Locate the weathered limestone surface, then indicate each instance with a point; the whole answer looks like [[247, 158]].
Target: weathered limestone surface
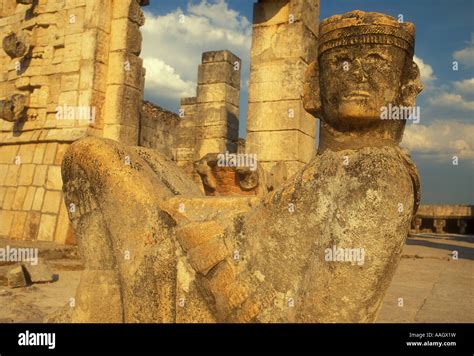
[[164, 253], [283, 44], [67, 69], [14, 46], [39, 272], [158, 129], [223, 180], [14, 108], [125, 253], [210, 121], [212, 117], [16, 277]]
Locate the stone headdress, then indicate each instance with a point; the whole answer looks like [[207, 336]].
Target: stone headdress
[[365, 27]]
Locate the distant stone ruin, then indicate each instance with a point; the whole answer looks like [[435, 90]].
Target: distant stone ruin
[[210, 121], [457, 219]]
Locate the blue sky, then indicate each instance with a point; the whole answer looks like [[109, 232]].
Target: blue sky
[[445, 33]]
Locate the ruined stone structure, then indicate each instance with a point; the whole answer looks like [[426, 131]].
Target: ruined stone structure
[[210, 121], [157, 250], [71, 69], [59, 82], [284, 41], [219, 178], [158, 129], [444, 219]]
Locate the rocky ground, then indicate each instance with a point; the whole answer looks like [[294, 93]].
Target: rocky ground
[[434, 286], [34, 302]]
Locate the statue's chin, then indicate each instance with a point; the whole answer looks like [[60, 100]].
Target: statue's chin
[[356, 115]]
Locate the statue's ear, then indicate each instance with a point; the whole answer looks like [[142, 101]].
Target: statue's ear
[[311, 94], [411, 85]]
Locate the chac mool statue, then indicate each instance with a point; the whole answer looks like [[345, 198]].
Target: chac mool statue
[[322, 247]]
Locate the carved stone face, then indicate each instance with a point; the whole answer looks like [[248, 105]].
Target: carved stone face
[[357, 80]]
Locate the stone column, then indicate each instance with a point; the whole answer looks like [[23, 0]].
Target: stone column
[[186, 134], [217, 103], [462, 224], [439, 225], [284, 42], [124, 94], [417, 224]]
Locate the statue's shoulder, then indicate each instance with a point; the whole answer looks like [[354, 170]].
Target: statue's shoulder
[[388, 170]]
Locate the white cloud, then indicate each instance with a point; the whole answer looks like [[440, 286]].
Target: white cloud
[[172, 48], [221, 15], [465, 87], [162, 78], [457, 96], [426, 71], [440, 141], [453, 101], [466, 56]]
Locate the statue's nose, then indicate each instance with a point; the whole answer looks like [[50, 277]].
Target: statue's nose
[[359, 71]]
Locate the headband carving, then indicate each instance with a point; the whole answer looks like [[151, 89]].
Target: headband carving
[[360, 27]]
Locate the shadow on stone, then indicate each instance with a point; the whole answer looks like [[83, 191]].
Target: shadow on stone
[[466, 253]]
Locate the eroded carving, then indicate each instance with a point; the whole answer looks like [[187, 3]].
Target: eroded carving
[[14, 108], [205, 259], [15, 46], [234, 179]]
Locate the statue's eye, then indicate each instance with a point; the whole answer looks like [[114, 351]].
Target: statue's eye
[[342, 62], [374, 57]]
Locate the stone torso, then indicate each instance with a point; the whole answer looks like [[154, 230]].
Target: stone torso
[[282, 273]]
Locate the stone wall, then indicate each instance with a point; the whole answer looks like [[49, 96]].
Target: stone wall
[[283, 44], [158, 129], [31, 201], [79, 74]]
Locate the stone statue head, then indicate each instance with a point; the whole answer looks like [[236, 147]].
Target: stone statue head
[[365, 63]]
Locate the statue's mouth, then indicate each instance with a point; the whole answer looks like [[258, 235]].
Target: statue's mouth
[[357, 94]]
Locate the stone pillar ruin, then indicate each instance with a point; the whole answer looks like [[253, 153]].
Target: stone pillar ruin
[[439, 225], [417, 224], [210, 121], [218, 102], [125, 80], [283, 44], [186, 134], [462, 224]]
